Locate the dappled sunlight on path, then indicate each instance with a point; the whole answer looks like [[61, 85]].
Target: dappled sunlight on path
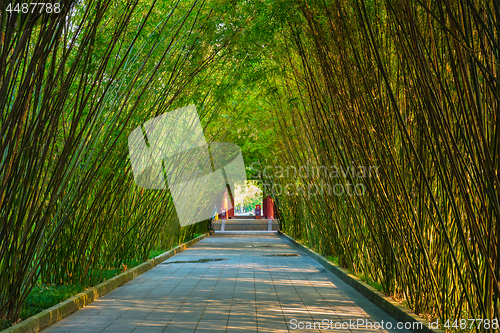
[[228, 283]]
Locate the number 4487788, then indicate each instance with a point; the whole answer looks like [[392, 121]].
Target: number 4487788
[[33, 7], [470, 323]]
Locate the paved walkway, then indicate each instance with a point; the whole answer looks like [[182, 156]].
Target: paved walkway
[[253, 289]]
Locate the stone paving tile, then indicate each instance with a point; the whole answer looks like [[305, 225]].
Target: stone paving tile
[[250, 291]]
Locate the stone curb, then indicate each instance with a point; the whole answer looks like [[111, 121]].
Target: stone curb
[[52, 315], [393, 308]]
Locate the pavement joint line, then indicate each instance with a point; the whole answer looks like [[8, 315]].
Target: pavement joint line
[[393, 308], [61, 310], [324, 301], [226, 265], [161, 302], [232, 298], [193, 291], [211, 295], [276, 292]]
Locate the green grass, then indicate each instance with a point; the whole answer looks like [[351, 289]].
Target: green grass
[[333, 259], [155, 253], [42, 297], [368, 280]]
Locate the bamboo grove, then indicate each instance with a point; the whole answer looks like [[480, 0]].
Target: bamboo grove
[[411, 89], [72, 87], [397, 99]]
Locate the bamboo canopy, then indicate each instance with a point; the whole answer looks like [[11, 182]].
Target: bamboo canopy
[[374, 125]]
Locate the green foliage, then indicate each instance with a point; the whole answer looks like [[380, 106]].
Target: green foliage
[[333, 259], [368, 280], [74, 87], [44, 296], [407, 87], [251, 203]]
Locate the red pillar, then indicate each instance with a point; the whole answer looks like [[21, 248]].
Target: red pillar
[[264, 207], [227, 207], [230, 211], [268, 207]]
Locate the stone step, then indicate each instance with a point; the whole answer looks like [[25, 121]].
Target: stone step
[[245, 221], [245, 225]]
